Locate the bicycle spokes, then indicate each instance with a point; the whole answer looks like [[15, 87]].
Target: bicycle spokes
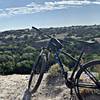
[[88, 79]]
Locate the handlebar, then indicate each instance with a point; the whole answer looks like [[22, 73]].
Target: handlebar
[[38, 30], [54, 44]]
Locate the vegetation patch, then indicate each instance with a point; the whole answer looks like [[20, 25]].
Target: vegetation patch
[[55, 76]]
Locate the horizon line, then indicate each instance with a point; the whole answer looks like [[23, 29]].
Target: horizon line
[[14, 29]]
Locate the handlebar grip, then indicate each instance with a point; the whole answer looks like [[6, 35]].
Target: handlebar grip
[[36, 29]]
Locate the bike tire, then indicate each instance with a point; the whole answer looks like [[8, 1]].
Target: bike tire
[[86, 79], [36, 77]]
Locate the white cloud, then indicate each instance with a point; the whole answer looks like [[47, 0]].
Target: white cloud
[[19, 10], [2, 13], [46, 6], [96, 2], [69, 2], [32, 4]]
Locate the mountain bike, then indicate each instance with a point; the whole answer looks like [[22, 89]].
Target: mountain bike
[[83, 77]]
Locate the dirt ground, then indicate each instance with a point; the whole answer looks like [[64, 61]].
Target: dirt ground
[[12, 87]]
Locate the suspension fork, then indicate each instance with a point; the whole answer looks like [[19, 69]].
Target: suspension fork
[[33, 68]]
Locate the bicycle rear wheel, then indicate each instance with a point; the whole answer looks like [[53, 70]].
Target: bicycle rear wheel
[[88, 80], [37, 74]]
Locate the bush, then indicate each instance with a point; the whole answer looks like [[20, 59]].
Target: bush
[[6, 67], [56, 70], [7, 64], [23, 67], [54, 75]]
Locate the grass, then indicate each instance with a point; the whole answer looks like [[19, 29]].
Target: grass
[[54, 75], [55, 69]]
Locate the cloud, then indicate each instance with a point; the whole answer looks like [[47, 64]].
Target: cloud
[[69, 2], [19, 10], [96, 2], [46, 6], [2, 13]]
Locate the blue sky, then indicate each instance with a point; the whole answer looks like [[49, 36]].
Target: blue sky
[[17, 14]]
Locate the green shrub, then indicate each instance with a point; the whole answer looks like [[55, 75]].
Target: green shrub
[[23, 67], [54, 76], [55, 70], [6, 67]]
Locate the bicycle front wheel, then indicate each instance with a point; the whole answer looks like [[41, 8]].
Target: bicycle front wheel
[[88, 80], [37, 74]]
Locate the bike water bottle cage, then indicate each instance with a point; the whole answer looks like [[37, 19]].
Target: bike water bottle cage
[[54, 45]]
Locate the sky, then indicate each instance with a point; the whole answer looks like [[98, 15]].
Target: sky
[[20, 14]]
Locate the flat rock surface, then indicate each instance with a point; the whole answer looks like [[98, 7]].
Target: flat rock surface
[[12, 87]]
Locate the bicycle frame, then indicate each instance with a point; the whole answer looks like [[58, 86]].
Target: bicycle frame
[[61, 64], [78, 64]]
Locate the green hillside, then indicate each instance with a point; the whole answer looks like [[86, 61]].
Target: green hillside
[[19, 48]]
